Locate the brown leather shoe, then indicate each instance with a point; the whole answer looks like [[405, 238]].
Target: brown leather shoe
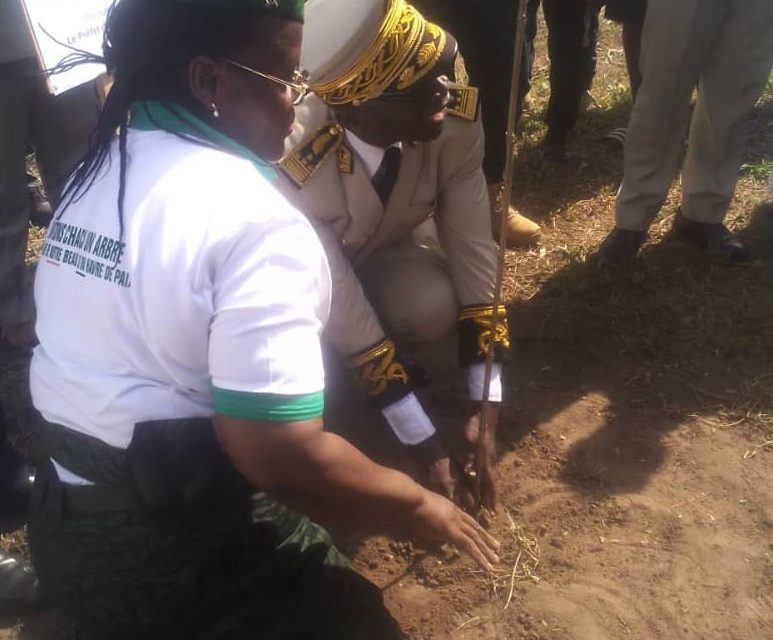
[[522, 233]]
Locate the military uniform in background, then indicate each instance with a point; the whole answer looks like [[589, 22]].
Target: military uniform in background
[[725, 48]]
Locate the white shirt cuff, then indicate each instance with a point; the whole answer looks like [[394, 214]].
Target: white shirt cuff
[[408, 420], [475, 375]]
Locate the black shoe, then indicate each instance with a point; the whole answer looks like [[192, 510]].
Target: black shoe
[[712, 237], [19, 586], [621, 245], [40, 208], [554, 152]]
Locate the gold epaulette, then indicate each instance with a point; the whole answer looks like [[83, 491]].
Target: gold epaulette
[[463, 102], [304, 161]]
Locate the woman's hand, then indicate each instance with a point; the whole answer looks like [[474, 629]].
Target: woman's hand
[[439, 519]]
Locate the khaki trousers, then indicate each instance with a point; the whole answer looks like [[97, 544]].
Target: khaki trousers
[[410, 288], [58, 129], [725, 47]]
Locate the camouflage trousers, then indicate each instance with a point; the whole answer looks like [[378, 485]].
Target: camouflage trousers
[[254, 570]]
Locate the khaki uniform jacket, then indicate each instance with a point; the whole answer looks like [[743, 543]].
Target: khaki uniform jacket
[[326, 181]]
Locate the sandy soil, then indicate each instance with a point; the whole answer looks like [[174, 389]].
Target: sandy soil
[[648, 527]]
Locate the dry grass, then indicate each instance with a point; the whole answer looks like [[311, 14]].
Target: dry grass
[[527, 558], [676, 311]]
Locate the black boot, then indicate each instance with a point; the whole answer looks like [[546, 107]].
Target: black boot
[[554, 150], [620, 246], [712, 237], [19, 586], [40, 209]]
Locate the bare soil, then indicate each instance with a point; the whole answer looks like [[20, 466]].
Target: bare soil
[[637, 436]]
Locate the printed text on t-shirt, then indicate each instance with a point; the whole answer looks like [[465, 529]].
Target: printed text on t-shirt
[[88, 253]]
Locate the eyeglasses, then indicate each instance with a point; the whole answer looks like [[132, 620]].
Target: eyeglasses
[[298, 86]]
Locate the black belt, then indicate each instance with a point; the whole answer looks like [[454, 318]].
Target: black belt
[[169, 466]]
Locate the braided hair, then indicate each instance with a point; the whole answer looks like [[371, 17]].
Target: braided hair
[[147, 47]]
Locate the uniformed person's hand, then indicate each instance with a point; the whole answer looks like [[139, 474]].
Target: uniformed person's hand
[[487, 473], [434, 468], [439, 519]]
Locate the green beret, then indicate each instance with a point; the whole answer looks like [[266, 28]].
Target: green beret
[[290, 9]]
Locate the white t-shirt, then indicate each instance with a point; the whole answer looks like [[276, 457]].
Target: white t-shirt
[[214, 301]]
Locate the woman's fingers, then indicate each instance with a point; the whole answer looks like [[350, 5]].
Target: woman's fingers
[[490, 540], [468, 546], [484, 542], [484, 546]]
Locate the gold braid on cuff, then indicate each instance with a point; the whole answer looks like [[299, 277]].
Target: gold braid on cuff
[[376, 368], [406, 49], [490, 329]]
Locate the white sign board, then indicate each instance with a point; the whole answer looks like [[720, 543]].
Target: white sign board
[[59, 24]]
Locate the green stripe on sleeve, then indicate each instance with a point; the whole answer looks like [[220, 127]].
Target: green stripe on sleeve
[[268, 407]]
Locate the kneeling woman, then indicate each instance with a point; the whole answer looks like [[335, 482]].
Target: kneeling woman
[[180, 303]]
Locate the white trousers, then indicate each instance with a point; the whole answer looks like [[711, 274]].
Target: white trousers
[[725, 48]]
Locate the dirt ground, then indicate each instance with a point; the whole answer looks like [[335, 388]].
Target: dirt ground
[[635, 474]]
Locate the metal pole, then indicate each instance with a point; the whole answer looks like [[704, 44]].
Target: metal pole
[[515, 87]]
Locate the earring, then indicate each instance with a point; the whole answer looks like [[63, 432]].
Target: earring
[[215, 112]]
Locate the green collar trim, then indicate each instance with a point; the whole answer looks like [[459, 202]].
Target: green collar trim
[[151, 115]]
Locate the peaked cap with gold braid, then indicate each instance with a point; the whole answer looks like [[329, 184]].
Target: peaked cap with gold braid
[[356, 51]]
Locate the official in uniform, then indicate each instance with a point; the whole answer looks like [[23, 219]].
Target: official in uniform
[[385, 160], [180, 301], [725, 49]]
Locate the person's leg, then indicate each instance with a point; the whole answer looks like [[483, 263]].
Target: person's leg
[[676, 39], [19, 587], [632, 47], [495, 70], [207, 574], [589, 58], [410, 288], [572, 50], [10, 462], [485, 30], [17, 87], [734, 75], [60, 127], [630, 14]]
